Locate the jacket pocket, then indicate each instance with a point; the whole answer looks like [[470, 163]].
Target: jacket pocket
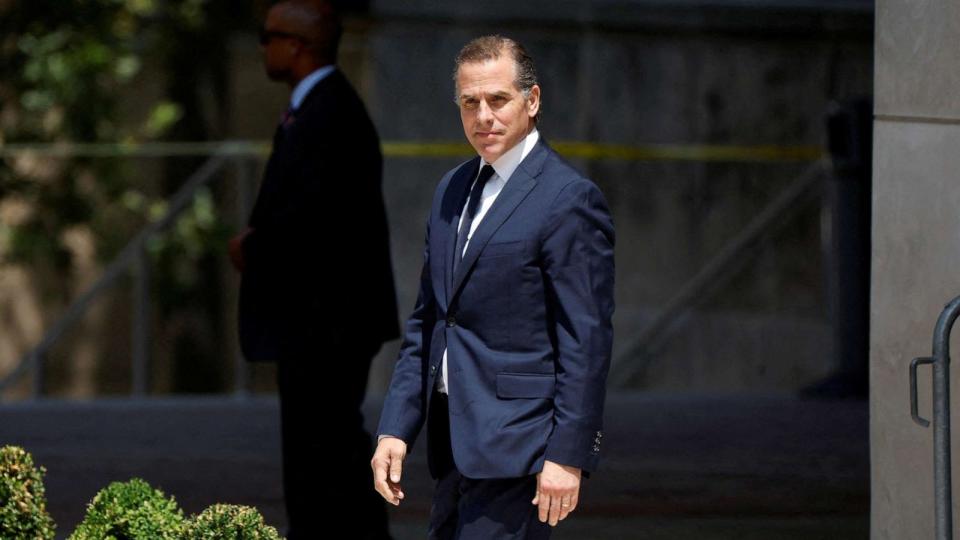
[[499, 249], [526, 385]]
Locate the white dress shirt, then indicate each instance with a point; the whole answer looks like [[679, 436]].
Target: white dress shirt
[[304, 87], [503, 169]]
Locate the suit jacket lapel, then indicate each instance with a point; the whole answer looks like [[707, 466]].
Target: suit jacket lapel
[[454, 201], [516, 189], [285, 137]]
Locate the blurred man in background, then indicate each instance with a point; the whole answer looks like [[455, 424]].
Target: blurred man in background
[[317, 293]]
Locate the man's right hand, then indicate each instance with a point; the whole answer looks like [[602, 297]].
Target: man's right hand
[[387, 466]]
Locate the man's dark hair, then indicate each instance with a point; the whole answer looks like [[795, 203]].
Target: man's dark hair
[[491, 47]]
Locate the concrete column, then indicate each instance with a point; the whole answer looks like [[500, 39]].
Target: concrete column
[[916, 247]]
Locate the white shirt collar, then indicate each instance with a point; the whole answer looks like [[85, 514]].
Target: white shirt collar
[[506, 164], [306, 85]]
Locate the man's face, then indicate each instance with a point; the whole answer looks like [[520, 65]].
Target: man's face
[[495, 113], [280, 45]]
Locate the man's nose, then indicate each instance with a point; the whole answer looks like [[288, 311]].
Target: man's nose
[[484, 113]]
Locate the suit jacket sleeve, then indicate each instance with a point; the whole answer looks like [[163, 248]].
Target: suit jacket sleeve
[[405, 406], [578, 264]]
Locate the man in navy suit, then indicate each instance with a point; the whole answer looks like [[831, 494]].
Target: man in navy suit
[[506, 354], [313, 299]]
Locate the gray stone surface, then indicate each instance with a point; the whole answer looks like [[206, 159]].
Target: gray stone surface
[[917, 59], [630, 72], [916, 271], [729, 15], [638, 88], [675, 467]]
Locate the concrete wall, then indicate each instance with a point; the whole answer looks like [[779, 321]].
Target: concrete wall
[[637, 73], [634, 72], [916, 239]]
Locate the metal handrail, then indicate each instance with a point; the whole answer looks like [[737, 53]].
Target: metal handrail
[[238, 148], [133, 255], [941, 417], [638, 355]]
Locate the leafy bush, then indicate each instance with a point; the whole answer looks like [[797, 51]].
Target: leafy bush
[[131, 511], [23, 505], [229, 522]]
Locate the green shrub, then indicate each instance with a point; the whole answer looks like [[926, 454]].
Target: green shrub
[[229, 522], [131, 511], [23, 504]]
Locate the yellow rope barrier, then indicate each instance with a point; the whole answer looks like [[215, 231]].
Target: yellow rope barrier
[[397, 149]]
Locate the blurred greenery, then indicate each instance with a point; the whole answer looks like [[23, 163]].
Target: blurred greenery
[[114, 71], [65, 69]]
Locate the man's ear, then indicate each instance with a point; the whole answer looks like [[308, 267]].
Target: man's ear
[[533, 101]]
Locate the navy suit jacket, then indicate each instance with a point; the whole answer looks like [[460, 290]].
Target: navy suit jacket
[[318, 274], [525, 319]]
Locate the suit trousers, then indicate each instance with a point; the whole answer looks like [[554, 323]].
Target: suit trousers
[[477, 509], [327, 480]]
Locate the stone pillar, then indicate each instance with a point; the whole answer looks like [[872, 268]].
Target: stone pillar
[[916, 247]]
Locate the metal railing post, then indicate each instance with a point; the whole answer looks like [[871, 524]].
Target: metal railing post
[[245, 196], [39, 381], [141, 322], [941, 417], [131, 256], [941, 420]]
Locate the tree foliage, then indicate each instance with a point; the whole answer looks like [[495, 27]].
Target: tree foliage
[[111, 71]]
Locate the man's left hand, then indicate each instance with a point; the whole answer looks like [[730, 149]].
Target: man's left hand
[[558, 490]]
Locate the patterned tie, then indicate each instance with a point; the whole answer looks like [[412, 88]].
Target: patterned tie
[[485, 173], [286, 120]]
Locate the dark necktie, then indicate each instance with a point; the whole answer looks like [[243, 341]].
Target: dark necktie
[[471, 211], [286, 120]]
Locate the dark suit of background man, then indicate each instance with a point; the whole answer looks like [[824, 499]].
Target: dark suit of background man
[[506, 354], [317, 290]]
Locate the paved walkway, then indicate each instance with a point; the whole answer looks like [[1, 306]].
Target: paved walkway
[[674, 467]]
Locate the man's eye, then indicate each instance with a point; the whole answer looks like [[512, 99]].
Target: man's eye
[[469, 103]]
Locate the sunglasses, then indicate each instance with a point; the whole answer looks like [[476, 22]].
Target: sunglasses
[[267, 35]]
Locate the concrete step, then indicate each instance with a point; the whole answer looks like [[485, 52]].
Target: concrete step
[[674, 466]]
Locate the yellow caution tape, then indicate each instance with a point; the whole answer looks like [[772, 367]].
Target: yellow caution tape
[[396, 149]]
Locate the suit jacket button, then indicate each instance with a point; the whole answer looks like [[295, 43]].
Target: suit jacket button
[[451, 321], [433, 369]]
